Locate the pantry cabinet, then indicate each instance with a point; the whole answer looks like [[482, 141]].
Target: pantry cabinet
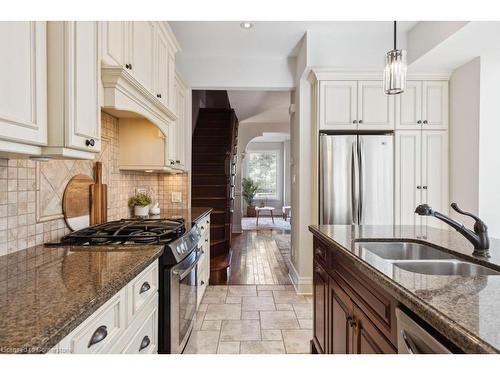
[[23, 84], [355, 105], [73, 94], [421, 175], [423, 105]]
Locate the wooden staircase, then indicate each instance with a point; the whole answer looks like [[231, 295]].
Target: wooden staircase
[[213, 170]]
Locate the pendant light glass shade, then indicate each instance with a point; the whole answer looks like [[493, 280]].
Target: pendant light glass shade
[[395, 69], [395, 72]]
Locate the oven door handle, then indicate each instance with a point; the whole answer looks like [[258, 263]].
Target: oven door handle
[[187, 271]]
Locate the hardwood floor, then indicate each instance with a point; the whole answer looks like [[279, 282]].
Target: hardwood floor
[[257, 259]]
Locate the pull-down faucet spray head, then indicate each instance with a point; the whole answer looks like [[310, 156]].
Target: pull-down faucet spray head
[[424, 210]]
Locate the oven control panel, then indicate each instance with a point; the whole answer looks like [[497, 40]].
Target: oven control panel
[[186, 244]]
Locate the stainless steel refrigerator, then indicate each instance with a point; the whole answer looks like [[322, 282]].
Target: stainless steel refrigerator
[[356, 179]]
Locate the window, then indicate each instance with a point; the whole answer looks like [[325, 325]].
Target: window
[[262, 167]]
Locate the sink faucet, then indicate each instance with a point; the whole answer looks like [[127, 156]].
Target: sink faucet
[[478, 237]]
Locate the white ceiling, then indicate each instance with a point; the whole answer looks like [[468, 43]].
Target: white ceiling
[[271, 137], [267, 38], [260, 106]]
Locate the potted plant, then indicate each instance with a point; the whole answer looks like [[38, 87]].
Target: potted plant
[[140, 202], [250, 188]]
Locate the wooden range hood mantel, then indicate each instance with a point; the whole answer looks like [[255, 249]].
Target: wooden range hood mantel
[[125, 97]]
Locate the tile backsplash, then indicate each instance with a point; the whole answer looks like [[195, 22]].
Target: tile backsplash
[[31, 192]]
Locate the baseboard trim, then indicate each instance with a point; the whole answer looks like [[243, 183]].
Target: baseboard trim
[[302, 285]]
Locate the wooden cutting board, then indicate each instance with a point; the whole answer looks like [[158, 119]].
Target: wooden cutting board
[[98, 198]]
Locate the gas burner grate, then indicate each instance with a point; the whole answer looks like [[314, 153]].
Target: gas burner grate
[[127, 231]]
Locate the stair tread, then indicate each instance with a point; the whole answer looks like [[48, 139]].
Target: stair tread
[[211, 197], [218, 241], [220, 262]]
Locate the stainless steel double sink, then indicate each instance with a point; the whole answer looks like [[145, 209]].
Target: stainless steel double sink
[[424, 259]]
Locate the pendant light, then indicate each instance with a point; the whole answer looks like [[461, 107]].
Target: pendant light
[[395, 69]]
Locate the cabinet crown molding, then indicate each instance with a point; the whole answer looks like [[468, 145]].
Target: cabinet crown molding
[[367, 74], [123, 93]]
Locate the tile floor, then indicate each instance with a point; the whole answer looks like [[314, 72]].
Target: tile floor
[[252, 319]]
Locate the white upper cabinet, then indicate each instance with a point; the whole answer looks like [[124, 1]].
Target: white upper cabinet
[[142, 52], [73, 74], [114, 40], [164, 70], [409, 106], [338, 105], [181, 124], [351, 105], [435, 105], [375, 108], [23, 82], [423, 105]]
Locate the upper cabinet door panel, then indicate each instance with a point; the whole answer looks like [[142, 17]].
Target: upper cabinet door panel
[[82, 85], [161, 69], [375, 108], [114, 34], [143, 37], [338, 106], [23, 82], [409, 107], [435, 105]]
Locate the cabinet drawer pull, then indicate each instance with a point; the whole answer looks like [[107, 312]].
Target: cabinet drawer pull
[[202, 282], [99, 335], [89, 142], [425, 122], [424, 187], [419, 187], [145, 343], [158, 96], [144, 287], [206, 239], [354, 122], [360, 121]]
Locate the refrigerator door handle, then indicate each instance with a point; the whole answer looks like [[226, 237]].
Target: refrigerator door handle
[[354, 183], [361, 190]]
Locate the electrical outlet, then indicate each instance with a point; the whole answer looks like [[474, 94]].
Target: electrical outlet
[[176, 197]]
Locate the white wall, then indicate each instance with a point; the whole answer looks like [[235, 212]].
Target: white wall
[[489, 136], [464, 138], [287, 188]]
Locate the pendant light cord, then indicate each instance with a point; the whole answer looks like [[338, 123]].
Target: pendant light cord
[[395, 34]]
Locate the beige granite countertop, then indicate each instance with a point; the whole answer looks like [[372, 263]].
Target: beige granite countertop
[[46, 292], [462, 308]]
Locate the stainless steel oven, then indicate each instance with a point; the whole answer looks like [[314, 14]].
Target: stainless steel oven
[[183, 283]]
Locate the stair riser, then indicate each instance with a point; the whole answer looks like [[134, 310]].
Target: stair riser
[[217, 233], [200, 168], [213, 141], [211, 148], [209, 158], [217, 218], [218, 249], [204, 202], [209, 191], [209, 180]]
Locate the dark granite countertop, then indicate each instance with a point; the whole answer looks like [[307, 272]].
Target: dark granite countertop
[[46, 292], [462, 308]]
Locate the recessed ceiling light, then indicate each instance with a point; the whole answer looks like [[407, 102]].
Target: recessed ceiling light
[[246, 25]]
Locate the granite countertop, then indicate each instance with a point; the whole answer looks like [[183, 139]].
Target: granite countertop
[[46, 292], [462, 308]]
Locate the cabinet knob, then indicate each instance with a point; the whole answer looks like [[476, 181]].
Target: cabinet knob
[[145, 343], [424, 187], [419, 121], [178, 161], [128, 66], [419, 187], [425, 122], [360, 121], [99, 335], [172, 162], [90, 142], [158, 95], [206, 239], [202, 282], [354, 121]]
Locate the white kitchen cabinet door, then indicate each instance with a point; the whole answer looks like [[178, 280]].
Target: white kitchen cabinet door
[[435, 173], [409, 107], [435, 105], [408, 187], [375, 108], [74, 78], [180, 124], [162, 77], [142, 52], [171, 149], [114, 42], [338, 105], [23, 82]]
